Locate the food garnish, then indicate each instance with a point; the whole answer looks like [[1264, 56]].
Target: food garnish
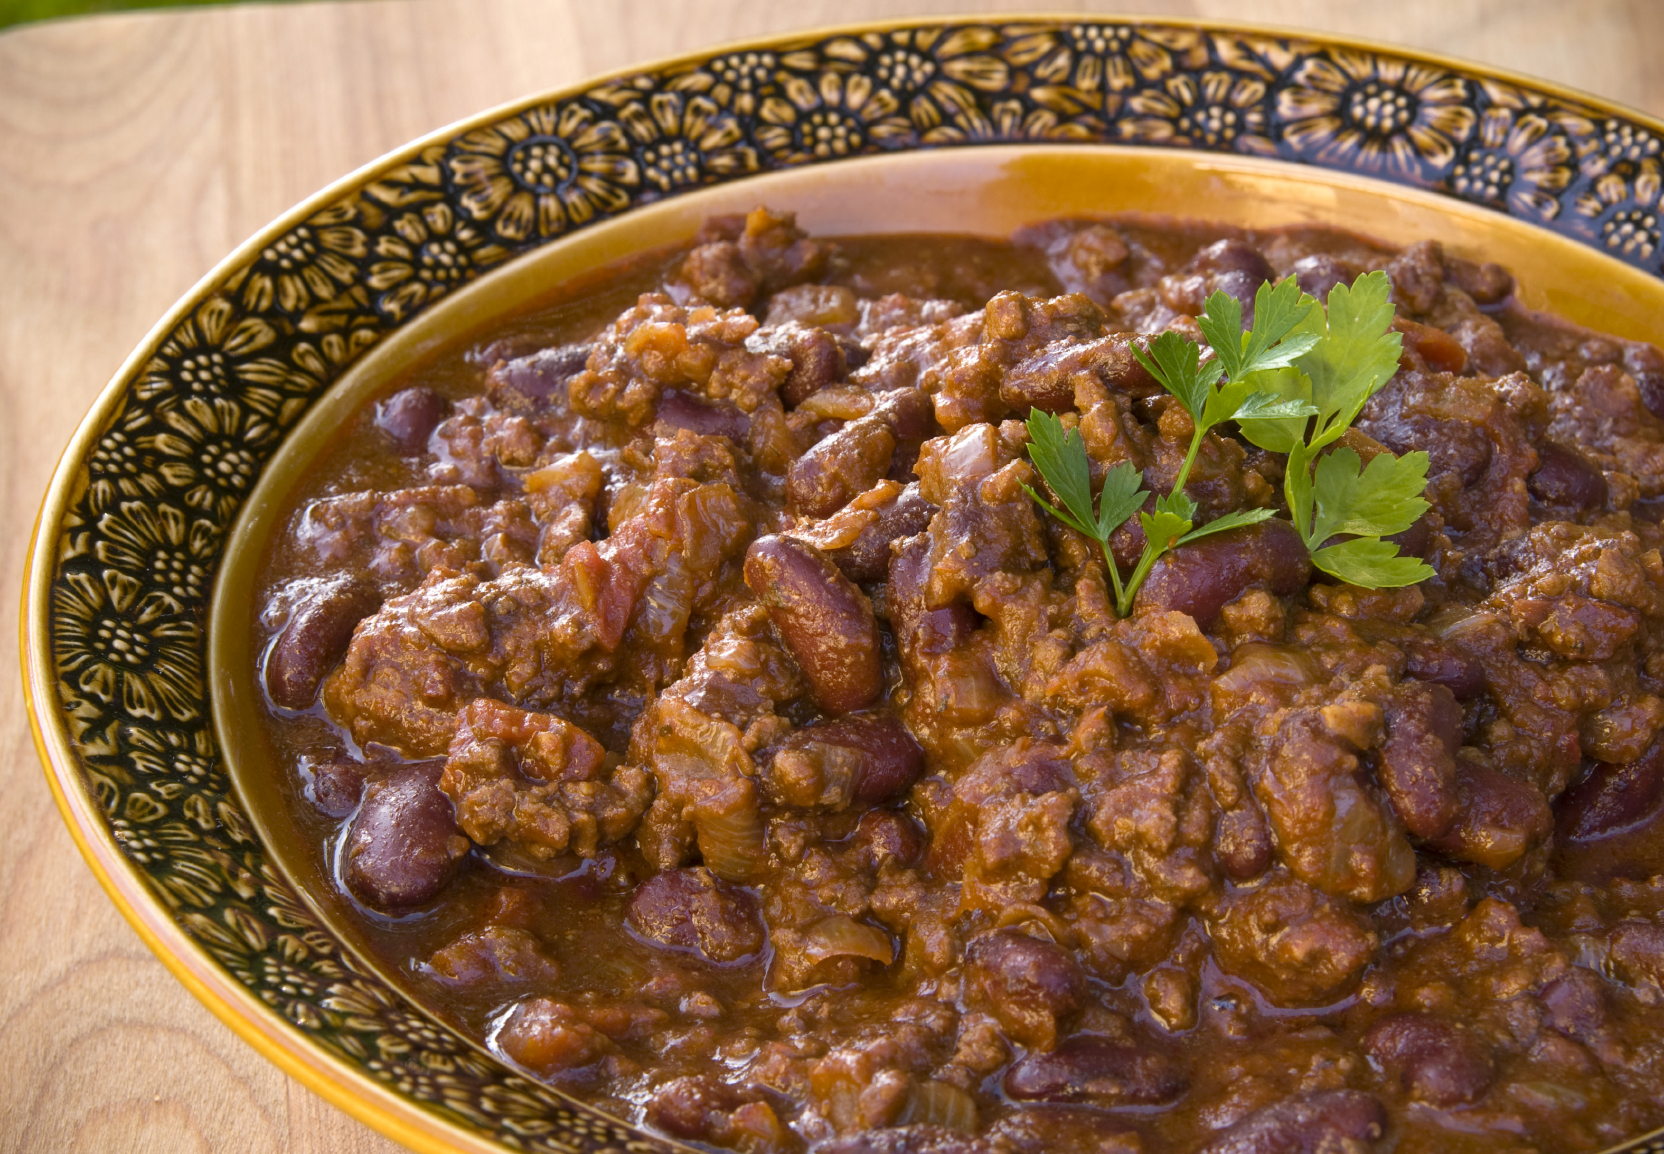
[[1293, 382]]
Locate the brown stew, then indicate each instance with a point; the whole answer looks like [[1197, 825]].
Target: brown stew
[[693, 703]]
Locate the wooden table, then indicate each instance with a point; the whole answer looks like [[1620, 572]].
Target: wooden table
[[135, 151]]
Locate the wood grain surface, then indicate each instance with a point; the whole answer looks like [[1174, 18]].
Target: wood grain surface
[[135, 151]]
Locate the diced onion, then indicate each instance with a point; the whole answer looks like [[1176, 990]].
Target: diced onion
[[939, 1104], [731, 840], [840, 936]]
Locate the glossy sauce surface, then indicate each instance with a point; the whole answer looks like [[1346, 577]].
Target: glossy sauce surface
[[691, 700]]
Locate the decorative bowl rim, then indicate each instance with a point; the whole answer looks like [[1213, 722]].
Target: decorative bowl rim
[[345, 1084]]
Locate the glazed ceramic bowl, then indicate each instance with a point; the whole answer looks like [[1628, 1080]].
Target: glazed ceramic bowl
[[136, 643]]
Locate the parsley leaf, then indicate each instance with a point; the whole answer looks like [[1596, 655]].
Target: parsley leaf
[[1174, 361], [1357, 353], [1372, 502], [1272, 342], [1121, 496], [1378, 500], [1371, 563], [1293, 382], [1234, 520], [1060, 455], [1279, 434], [1163, 529]]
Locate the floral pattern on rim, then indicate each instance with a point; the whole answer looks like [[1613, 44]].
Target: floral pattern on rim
[[137, 539], [680, 139], [1621, 204], [545, 170], [309, 267], [1215, 110], [1520, 156], [1348, 108]]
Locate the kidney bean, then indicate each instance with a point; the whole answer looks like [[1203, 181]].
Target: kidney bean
[[1646, 364], [823, 619], [1413, 541], [1418, 759], [1609, 799], [1637, 953], [1566, 480], [1318, 273], [1064, 1130], [905, 1140], [888, 835], [1575, 1003], [695, 1106], [336, 787], [682, 410], [867, 558], [908, 413], [1232, 255], [404, 845], [1431, 660], [1025, 982], [694, 911], [409, 417], [1203, 577], [536, 382], [817, 358], [1242, 842], [1314, 1122], [1091, 1068], [1435, 1061], [1499, 819], [315, 637], [891, 760], [1487, 284], [850, 461], [1238, 270]]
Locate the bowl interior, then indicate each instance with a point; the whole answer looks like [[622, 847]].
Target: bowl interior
[[988, 191]]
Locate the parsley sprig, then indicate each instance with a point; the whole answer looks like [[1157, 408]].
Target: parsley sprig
[[1293, 382]]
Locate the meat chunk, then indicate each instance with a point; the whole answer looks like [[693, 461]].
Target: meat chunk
[[1331, 830], [697, 739], [1296, 944], [1318, 1122], [538, 781], [496, 954], [703, 1109], [551, 1039], [543, 636], [1025, 982], [762, 252], [1437, 1062]]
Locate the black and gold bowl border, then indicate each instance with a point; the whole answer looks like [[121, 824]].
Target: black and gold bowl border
[[134, 525]]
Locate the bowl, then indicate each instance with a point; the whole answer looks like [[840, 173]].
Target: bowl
[[136, 634]]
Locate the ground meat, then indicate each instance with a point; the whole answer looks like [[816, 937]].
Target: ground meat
[[695, 704], [539, 781]]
